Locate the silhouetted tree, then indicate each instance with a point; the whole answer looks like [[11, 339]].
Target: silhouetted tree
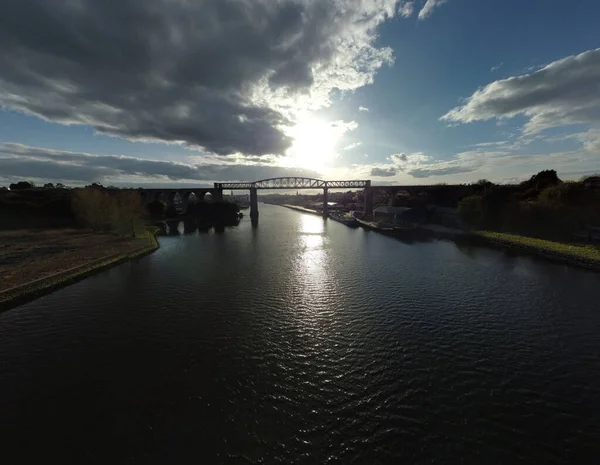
[[21, 185], [49, 185], [95, 185]]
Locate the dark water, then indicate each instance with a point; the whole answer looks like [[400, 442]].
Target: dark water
[[307, 342]]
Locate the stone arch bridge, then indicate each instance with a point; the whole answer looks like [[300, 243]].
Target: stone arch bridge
[[168, 195]]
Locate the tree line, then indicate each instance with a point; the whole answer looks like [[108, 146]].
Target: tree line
[[544, 206]]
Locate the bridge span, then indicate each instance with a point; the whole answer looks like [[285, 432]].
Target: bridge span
[[296, 183], [289, 183]]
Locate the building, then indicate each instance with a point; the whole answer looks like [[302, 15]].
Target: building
[[398, 215]]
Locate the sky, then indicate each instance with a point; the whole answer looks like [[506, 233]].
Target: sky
[[171, 92]]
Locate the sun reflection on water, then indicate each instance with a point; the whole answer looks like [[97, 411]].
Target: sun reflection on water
[[314, 275]]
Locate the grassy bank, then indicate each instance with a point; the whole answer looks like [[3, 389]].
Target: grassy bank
[[577, 254], [34, 267]]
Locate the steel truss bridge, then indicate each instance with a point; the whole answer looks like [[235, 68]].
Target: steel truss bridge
[[293, 183], [289, 182]]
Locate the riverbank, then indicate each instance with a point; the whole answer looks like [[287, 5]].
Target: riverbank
[[37, 262], [301, 209], [581, 255]]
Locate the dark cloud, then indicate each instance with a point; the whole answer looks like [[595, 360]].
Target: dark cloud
[[19, 161], [444, 171], [214, 73], [383, 172]]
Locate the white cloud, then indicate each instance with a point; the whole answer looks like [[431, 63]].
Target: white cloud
[[363, 109], [352, 146], [564, 92], [406, 9], [496, 67], [429, 6]]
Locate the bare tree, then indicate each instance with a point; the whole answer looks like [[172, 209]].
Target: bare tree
[[93, 207], [128, 212]]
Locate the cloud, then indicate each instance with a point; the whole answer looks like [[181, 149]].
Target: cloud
[[496, 67], [363, 109], [22, 161], [429, 6], [383, 172], [444, 171], [561, 93], [406, 9], [399, 158], [224, 75], [352, 146]]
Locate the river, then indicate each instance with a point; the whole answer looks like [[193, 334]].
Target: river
[[304, 341]]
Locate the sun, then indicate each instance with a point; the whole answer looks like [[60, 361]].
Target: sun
[[314, 145]]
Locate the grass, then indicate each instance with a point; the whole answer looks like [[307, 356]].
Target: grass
[[30, 269], [581, 251], [148, 233]]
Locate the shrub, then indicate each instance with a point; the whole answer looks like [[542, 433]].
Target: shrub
[[471, 210]]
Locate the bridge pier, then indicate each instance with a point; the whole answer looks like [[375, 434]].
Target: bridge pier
[[217, 195], [253, 204], [368, 200], [325, 200]]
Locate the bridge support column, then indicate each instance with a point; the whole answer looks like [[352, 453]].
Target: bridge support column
[[325, 200], [253, 204], [368, 200], [171, 199], [217, 195], [392, 199]]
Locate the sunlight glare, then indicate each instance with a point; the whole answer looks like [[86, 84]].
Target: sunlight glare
[[315, 142]]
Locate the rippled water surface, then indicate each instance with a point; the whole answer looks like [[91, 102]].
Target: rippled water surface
[[303, 341]]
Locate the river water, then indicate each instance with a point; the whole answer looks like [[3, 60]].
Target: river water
[[304, 341]]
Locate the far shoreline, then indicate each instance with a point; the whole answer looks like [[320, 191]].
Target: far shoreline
[[575, 255]]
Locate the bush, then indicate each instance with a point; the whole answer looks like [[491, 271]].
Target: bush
[[471, 210]]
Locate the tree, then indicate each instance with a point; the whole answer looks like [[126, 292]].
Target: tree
[[93, 208], [128, 212], [542, 180], [21, 185], [49, 185], [120, 212], [95, 185]]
